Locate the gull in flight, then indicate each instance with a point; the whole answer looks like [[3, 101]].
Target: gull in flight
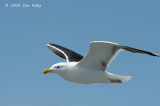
[[93, 67]]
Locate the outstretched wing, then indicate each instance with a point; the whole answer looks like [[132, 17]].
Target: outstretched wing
[[101, 54], [65, 53]]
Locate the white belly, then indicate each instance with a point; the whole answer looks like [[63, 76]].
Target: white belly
[[87, 77]]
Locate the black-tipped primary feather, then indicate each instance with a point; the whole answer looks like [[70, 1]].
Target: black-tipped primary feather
[[134, 50]]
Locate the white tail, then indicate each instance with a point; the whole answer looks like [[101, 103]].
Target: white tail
[[125, 78], [118, 78]]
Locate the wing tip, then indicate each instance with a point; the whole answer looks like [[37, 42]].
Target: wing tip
[[153, 54], [48, 44], [157, 55]]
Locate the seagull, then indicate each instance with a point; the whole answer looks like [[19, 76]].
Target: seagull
[[93, 67]]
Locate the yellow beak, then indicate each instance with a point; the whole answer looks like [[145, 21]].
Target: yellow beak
[[47, 71]]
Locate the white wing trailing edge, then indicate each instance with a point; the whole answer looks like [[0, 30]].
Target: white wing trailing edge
[[65, 53]]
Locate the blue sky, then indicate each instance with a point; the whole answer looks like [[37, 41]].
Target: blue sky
[[73, 24]]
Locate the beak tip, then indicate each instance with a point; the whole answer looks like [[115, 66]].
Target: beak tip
[[44, 73], [47, 71]]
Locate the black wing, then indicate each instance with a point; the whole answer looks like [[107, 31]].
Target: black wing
[[65, 53]]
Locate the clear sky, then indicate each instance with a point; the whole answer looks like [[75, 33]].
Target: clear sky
[[24, 33]]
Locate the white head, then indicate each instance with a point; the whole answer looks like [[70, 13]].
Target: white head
[[59, 68]]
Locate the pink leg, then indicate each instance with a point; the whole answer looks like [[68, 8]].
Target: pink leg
[[116, 81]]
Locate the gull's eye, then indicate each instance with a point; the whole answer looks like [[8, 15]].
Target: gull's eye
[[57, 66]]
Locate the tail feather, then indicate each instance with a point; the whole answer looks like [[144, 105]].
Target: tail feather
[[119, 78], [125, 78]]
